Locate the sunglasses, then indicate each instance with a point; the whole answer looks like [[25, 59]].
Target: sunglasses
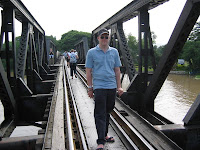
[[102, 37]]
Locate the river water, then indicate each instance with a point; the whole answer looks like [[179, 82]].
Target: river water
[[176, 96], [173, 101]]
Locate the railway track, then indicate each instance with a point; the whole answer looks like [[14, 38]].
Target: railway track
[[73, 135], [75, 139], [134, 131], [132, 138]]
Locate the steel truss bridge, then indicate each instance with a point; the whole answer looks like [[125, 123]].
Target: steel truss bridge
[[33, 92]]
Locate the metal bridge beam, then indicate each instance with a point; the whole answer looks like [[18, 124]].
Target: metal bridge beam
[[145, 43], [21, 76], [118, 33], [192, 117], [22, 143], [22, 13], [7, 80], [128, 12], [82, 49], [6, 95], [178, 38], [115, 24]]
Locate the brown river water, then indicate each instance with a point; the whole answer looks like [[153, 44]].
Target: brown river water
[[173, 101], [175, 97]]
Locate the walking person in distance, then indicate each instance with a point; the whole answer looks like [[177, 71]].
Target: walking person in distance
[[73, 60], [103, 78], [51, 57]]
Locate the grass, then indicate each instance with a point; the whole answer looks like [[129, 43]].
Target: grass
[[197, 77], [150, 69]]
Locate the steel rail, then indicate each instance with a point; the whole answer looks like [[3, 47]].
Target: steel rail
[[69, 126], [84, 144], [134, 135], [82, 76], [129, 144], [140, 131]]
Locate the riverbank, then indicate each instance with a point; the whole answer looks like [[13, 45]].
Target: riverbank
[[197, 77], [179, 72]]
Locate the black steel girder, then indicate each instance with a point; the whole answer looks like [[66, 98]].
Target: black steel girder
[[127, 61], [128, 12], [115, 23], [172, 50], [22, 13], [22, 71], [82, 49]]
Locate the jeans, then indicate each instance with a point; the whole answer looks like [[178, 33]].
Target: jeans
[[104, 104], [72, 68]]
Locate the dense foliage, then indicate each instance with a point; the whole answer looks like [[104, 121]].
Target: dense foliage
[[53, 39], [69, 39], [191, 50], [133, 47], [195, 34]]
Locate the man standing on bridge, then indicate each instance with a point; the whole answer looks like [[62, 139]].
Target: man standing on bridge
[[103, 78]]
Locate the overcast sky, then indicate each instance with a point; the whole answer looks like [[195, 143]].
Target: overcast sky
[[59, 17]]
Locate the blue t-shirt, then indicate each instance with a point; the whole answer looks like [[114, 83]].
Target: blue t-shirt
[[73, 57], [103, 65]]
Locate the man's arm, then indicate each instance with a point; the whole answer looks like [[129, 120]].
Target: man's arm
[[89, 81], [119, 87]]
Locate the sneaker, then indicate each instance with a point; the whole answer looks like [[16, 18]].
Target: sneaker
[[75, 76]]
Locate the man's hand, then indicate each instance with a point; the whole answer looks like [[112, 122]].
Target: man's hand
[[90, 92], [120, 91]]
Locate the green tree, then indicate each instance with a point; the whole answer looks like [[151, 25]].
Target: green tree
[[17, 43], [69, 39], [191, 49], [195, 34], [158, 52], [53, 39], [191, 53], [153, 36], [133, 47]]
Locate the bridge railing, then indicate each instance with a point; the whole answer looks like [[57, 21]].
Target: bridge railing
[[23, 70]]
